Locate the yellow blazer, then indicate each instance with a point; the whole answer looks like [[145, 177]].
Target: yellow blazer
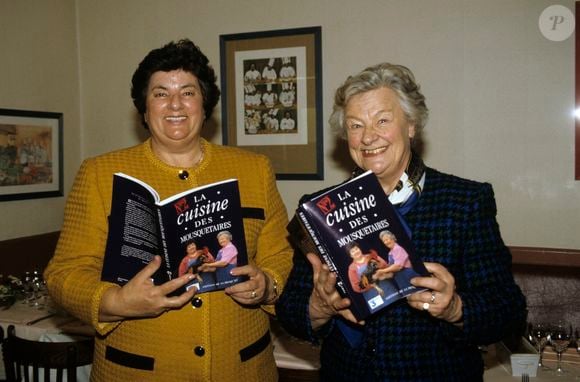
[[217, 341]]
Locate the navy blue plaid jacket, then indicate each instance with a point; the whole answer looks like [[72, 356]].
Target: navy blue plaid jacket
[[454, 224]]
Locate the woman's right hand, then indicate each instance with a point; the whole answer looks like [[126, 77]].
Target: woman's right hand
[[325, 301], [140, 297]]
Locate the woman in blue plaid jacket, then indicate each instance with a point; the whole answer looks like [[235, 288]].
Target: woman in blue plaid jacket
[[471, 298]]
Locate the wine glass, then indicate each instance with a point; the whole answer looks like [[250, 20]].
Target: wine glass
[[577, 335], [27, 288], [560, 338], [577, 340], [39, 290], [539, 335]]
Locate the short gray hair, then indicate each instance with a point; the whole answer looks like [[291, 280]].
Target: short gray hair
[[225, 233], [388, 234], [398, 78]]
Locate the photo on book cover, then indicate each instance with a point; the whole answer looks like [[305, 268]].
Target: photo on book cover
[[380, 280], [210, 272], [362, 238]]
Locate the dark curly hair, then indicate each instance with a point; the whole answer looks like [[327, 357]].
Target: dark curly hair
[[351, 245], [184, 55]]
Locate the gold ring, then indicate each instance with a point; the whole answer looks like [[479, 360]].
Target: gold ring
[[426, 306], [432, 297], [253, 295]]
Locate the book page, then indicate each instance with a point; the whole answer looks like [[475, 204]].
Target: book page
[[196, 189], [133, 233], [149, 189]]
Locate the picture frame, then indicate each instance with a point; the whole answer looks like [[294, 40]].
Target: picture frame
[[271, 84], [31, 154], [577, 101]]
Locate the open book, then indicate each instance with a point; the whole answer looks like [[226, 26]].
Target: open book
[[361, 237], [199, 231]]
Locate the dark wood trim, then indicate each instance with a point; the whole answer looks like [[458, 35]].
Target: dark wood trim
[[577, 98], [295, 375], [546, 256], [35, 251], [27, 253]]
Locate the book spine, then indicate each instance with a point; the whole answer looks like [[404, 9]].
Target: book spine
[[323, 253], [164, 243]]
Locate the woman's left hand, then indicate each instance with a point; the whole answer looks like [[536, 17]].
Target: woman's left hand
[[440, 301], [254, 291]]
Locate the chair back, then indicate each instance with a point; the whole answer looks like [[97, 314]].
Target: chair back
[[24, 359]]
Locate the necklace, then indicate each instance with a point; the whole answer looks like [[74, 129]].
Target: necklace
[[184, 174]]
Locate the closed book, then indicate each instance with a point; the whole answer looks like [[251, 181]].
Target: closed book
[[362, 238]]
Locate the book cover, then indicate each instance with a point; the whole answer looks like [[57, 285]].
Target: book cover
[[199, 231], [361, 237]]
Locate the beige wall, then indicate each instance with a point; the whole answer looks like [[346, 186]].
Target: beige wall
[[39, 71], [500, 94]]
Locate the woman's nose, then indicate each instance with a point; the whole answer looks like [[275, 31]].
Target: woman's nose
[[369, 135], [175, 102]]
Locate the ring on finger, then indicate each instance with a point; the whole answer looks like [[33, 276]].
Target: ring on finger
[[253, 294], [432, 297], [426, 306]]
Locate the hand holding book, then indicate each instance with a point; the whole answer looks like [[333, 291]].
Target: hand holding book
[[440, 298], [325, 301], [140, 297], [259, 289]]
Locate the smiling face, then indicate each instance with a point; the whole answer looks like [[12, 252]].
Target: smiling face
[[223, 240], [378, 134], [175, 113], [355, 253], [191, 249], [388, 242]]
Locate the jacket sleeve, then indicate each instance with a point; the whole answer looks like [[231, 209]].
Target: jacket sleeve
[[74, 273], [493, 304], [292, 309], [274, 254], [354, 279]]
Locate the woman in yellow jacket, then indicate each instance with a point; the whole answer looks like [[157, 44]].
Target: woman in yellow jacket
[[144, 333]]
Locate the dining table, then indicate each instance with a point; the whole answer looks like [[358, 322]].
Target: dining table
[[295, 354], [52, 324], [292, 353], [46, 323]]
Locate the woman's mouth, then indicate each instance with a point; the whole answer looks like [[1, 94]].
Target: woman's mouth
[[373, 152], [175, 118]]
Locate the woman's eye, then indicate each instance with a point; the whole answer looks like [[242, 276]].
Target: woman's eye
[[159, 94], [188, 94], [354, 126]]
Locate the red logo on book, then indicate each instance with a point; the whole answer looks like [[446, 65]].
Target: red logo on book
[[181, 206], [326, 205]]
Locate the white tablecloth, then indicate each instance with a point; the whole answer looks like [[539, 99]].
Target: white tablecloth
[[498, 371], [291, 353], [43, 325]]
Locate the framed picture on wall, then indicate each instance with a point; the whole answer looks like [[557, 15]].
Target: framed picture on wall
[[577, 113], [30, 154], [271, 85]]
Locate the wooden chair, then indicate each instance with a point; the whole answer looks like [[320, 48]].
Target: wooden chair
[[23, 357]]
